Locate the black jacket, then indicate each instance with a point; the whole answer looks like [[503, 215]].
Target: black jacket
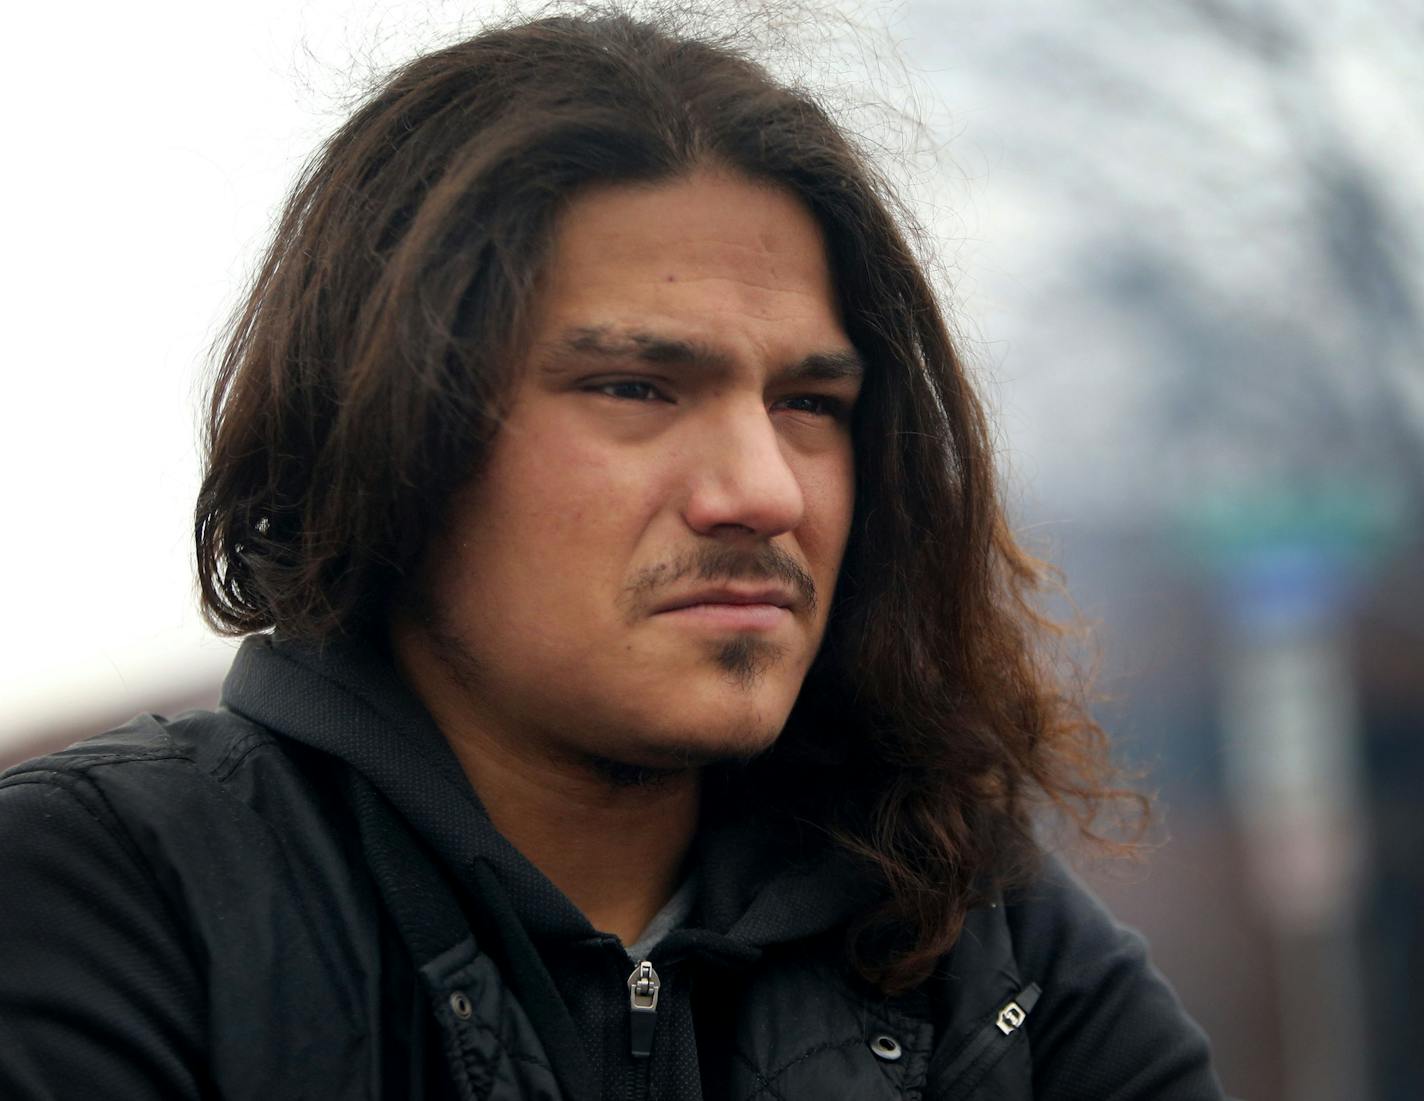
[[298, 895]]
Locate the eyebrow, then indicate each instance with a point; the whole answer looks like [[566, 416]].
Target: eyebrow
[[606, 342]]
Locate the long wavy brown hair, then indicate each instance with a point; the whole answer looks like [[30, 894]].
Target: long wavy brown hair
[[366, 374]]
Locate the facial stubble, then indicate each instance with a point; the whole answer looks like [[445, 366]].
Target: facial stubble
[[742, 660], [746, 660]]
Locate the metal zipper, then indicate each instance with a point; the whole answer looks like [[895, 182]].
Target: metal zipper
[[992, 1040], [1013, 1014], [643, 987]]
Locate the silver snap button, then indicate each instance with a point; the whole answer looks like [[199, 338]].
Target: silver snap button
[[886, 1047], [461, 1005]]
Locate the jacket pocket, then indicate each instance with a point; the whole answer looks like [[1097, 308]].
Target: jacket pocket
[[962, 1067]]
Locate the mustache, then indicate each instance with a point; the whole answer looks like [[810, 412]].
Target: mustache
[[766, 564]]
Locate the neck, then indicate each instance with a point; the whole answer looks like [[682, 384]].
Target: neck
[[616, 850], [612, 839]]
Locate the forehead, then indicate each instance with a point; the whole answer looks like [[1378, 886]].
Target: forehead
[[712, 259]]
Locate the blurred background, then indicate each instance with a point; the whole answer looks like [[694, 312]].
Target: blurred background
[[1184, 244]]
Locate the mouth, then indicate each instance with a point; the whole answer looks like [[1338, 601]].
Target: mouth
[[726, 608], [737, 617], [773, 596]]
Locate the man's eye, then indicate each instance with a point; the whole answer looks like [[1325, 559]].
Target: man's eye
[[628, 390], [819, 404]]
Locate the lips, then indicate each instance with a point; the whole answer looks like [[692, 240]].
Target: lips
[[731, 596]]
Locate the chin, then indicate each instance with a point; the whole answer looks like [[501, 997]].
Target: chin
[[729, 710], [746, 663], [668, 753]]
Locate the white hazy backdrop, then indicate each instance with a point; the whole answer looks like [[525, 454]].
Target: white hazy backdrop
[[148, 149]]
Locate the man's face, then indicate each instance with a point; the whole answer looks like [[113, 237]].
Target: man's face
[[643, 571]]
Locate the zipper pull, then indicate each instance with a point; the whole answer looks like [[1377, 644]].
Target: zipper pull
[[643, 986], [1014, 1014]]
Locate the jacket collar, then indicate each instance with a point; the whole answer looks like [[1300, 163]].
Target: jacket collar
[[764, 880]]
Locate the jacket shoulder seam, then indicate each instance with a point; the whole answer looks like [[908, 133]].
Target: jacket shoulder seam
[[79, 766], [240, 748], [238, 752]]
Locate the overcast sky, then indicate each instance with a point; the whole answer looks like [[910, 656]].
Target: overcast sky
[[148, 147]]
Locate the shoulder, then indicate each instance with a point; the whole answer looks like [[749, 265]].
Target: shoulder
[[205, 804], [234, 830], [155, 775], [101, 848], [129, 785], [1106, 1023], [197, 804], [165, 876], [149, 752], [1056, 923], [200, 742]]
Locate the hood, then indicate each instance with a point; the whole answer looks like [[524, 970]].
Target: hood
[[763, 880]]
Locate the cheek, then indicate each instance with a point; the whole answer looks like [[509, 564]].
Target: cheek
[[570, 507], [829, 486]]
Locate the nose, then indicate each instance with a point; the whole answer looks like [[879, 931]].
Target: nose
[[740, 479]]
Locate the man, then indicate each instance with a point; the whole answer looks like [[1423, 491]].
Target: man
[[649, 707]]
